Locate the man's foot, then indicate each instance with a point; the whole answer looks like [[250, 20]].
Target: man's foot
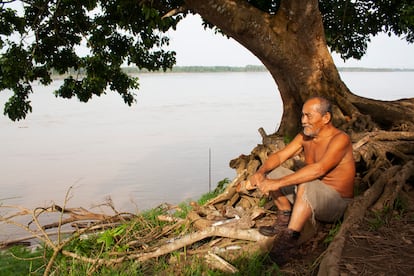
[[282, 221], [283, 245]]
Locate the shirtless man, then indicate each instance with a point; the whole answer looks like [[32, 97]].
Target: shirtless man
[[321, 189]]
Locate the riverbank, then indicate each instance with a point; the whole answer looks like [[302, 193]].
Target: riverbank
[[380, 244]]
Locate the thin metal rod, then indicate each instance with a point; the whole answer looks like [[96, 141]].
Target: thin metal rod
[[209, 170]]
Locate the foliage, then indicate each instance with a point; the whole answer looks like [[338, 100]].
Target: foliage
[[110, 237], [98, 37], [384, 216], [332, 232], [349, 25], [257, 265], [378, 219], [221, 186], [182, 211]]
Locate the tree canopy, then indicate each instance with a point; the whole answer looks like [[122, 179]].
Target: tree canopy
[[38, 37]]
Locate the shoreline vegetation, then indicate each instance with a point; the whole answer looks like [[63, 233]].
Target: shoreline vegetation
[[163, 240], [229, 69]]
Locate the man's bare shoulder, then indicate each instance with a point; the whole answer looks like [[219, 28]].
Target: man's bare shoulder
[[341, 137], [301, 138]]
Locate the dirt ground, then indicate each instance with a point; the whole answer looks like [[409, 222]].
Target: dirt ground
[[383, 244]]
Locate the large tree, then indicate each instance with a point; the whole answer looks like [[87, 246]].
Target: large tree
[[292, 38]]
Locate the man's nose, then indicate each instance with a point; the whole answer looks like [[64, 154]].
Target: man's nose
[[303, 119]]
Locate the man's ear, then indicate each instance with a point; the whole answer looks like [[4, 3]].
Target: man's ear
[[327, 117]]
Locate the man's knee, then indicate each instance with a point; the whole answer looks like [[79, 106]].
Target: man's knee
[[301, 188], [275, 194]]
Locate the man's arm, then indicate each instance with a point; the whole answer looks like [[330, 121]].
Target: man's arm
[[277, 158], [335, 152]]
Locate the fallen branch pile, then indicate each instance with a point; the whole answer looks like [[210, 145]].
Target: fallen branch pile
[[144, 245]]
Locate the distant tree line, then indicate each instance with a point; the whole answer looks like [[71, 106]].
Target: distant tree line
[[223, 69], [202, 69]]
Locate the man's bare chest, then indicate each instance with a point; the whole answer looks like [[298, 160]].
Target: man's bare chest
[[314, 150]]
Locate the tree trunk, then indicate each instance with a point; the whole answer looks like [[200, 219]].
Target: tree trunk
[[292, 46]]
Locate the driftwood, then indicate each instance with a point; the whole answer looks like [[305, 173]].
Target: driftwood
[[221, 231], [95, 221], [101, 220], [230, 190], [261, 243], [219, 263]]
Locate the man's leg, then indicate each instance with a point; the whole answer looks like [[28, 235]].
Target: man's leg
[[301, 212], [281, 201], [287, 237], [283, 215], [293, 221]]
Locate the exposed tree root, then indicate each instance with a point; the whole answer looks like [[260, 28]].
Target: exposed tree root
[[355, 213]]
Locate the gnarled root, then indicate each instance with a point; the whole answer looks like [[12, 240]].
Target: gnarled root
[[355, 213]]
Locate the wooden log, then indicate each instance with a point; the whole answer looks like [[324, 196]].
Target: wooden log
[[263, 242], [198, 222], [229, 191]]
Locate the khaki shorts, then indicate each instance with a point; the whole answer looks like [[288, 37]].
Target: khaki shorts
[[326, 203]]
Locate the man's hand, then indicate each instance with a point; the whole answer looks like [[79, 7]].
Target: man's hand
[[264, 184], [256, 179], [269, 185]]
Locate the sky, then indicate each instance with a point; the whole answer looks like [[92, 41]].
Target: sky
[[196, 46]]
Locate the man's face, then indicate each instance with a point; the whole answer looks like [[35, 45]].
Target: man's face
[[312, 120]]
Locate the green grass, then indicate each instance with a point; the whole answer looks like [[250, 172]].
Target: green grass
[[383, 217], [332, 232], [20, 260]]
